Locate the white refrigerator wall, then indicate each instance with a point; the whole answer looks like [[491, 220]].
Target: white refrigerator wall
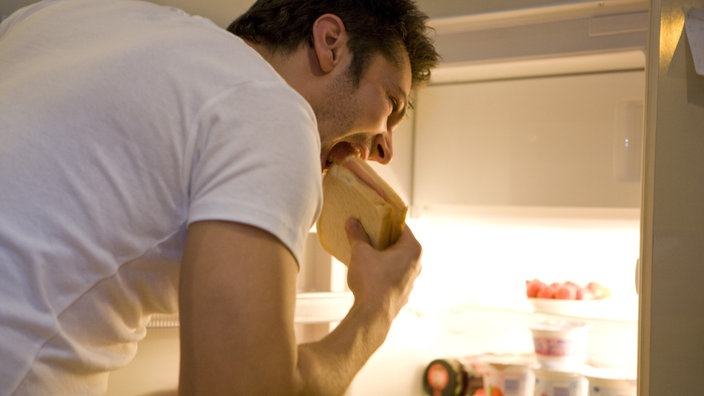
[[551, 141]]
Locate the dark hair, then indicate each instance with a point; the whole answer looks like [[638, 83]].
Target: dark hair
[[374, 27]]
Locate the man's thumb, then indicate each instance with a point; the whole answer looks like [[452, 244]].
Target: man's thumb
[[355, 232]]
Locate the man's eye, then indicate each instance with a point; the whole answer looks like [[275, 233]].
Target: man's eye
[[394, 103]]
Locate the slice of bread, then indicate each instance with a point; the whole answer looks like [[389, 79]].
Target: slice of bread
[[352, 188]]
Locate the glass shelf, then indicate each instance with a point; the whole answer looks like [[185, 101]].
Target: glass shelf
[[326, 307], [608, 311]]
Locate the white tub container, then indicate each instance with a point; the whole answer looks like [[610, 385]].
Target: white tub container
[[605, 386], [559, 383]]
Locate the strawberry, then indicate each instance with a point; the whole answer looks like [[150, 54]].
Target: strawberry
[[534, 287]]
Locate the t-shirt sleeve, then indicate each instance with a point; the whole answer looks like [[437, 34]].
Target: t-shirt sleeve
[[255, 160]]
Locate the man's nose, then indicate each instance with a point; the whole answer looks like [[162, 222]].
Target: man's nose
[[382, 148]]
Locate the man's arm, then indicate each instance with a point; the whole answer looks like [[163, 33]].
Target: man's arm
[[237, 300]]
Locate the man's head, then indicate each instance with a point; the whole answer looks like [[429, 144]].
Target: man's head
[[374, 27], [354, 61]]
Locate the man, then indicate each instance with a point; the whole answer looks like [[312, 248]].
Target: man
[[153, 163]]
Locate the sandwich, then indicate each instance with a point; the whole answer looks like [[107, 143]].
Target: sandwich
[[351, 188]]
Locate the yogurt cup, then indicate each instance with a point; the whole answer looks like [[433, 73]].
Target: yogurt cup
[[561, 345], [604, 386], [512, 374]]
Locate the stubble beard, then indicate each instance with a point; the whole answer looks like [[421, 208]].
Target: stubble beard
[[336, 116]]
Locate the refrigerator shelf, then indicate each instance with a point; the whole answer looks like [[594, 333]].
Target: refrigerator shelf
[[317, 307]]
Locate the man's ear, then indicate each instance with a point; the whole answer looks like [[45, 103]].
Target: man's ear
[[329, 41]]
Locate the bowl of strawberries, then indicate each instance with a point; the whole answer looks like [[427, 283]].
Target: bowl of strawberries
[[567, 297]]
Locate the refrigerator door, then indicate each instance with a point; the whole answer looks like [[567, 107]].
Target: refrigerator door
[[671, 348]]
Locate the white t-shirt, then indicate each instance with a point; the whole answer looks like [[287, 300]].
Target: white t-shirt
[[121, 122]]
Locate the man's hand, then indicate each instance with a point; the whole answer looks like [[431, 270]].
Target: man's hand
[[383, 278]]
